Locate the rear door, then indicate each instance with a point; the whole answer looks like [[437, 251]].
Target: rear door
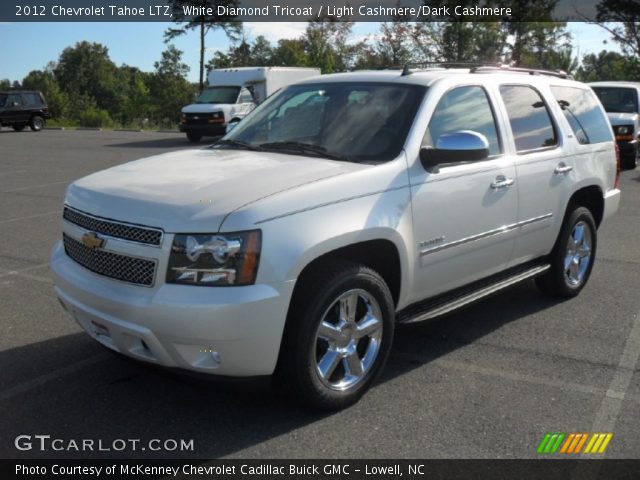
[[14, 109], [544, 169]]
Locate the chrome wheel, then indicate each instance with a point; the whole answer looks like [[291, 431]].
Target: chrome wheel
[[578, 254], [348, 340]]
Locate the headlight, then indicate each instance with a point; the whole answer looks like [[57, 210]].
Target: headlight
[[624, 130], [217, 259]]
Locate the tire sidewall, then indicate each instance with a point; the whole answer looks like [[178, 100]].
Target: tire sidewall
[[325, 296], [37, 123], [576, 215]]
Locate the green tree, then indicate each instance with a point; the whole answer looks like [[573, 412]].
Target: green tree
[[608, 65], [169, 87], [86, 69], [202, 23], [5, 84], [626, 29], [44, 81], [291, 52]]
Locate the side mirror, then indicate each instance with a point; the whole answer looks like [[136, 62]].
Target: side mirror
[[457, 147], [15, 104], [232, 124]]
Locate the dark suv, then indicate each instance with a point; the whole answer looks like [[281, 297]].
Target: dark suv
[[20, 108]]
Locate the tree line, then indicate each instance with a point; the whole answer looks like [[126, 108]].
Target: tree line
[[85, 87]]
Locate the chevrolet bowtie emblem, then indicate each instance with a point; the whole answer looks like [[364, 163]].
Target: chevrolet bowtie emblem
[[92, 240]]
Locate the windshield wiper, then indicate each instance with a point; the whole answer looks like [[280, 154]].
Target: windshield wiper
[[238, 144], [301, 147]]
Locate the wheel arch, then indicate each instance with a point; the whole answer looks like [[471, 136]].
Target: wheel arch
[[590, 197]]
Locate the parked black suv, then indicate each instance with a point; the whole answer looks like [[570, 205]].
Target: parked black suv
[[19, 108]]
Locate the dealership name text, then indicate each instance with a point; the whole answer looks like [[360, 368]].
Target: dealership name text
[[218, 470]]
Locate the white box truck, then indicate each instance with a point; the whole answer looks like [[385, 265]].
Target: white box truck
[[232, 93]]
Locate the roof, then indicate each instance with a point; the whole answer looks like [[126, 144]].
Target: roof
[[429, 76], [615, 84]]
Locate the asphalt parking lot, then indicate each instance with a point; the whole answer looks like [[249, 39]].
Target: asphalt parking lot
[[486, 382]]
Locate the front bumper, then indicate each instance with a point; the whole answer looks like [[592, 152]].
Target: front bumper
[[213, 130], [233, 331]]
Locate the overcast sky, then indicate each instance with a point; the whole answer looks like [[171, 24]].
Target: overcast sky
[[29, 46]]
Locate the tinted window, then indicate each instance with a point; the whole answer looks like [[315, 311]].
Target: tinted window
[[357, 121], [219, 95], [583, 113], [32, 99], [464, 108], [3, 99], [530, 120], [615, 99], [13, 98]]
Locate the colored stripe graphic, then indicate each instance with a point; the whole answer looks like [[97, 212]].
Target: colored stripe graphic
[[573, 443], [598, 443], [550, 443]]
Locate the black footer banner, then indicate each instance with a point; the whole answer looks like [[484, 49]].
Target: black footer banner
[[544, 469]]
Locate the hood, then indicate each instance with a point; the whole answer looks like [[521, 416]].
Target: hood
[[194, 190], [618, 118], [204, 107]]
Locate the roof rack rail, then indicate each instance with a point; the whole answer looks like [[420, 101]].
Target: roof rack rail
[[529, 71], [406, 70]]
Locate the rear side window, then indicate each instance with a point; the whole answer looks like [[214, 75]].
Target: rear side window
[[529, 118], [464, 108], [32, 99], [582, 111], [13, 98]]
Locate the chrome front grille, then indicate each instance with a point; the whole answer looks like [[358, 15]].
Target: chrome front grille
[[129, 269], [132, 233]]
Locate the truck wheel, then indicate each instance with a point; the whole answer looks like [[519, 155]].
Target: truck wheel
[[36, 123], [194, 137], [572, 257], [18, 128], [338, 337], [631, 162]]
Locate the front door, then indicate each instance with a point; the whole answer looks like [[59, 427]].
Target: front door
[[464, 215]]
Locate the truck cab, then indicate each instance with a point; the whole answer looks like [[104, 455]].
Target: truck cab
[[621, 101], [232, 93]]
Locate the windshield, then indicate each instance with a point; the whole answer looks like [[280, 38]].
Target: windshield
[[219, 95], [619, 100], [3, 98], [344, 121]]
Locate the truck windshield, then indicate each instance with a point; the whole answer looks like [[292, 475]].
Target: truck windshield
[[219, 95], [619, 100], [358, 122]]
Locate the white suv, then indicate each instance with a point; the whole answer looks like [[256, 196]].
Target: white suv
[[340, 207]]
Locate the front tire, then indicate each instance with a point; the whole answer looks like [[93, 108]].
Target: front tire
[[572, 257], [194, 137], [631, 162], [36, 123], [338, 337]]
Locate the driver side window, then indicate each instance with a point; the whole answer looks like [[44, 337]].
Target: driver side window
[[464, 108], [245, 96]]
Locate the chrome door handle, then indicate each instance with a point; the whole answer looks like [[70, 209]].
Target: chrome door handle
[[562, 168], [502, 182]]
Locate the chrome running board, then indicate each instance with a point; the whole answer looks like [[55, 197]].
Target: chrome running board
[[432, 308]]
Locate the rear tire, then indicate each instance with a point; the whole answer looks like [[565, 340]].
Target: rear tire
[[631, 162], [18, 128], [572, 256], [338, 336], [36, 123], [194, 137]]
